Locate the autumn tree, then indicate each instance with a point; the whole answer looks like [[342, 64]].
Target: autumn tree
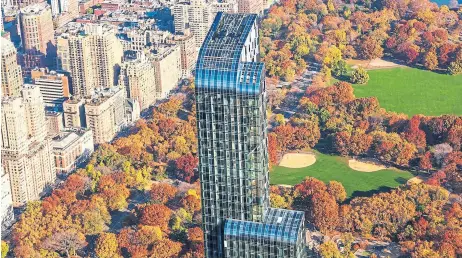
[[324, 211], [106, 246], [455, 68], [195, 234], [337, 190], [66, 242], [329, 250], [359, 76], [156, 215], [166, 248], [162, 192], [431, 60], [185, 168], [370, 48], [5, 249]]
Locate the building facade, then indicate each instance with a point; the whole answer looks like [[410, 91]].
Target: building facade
[[6, 201], [188, 53], [195, 15], [74, 112], [281, 234], [138, 79], [167, 69], [37, 33], [55, 122], [232, 136], [250, 6], [92, 54], [11, 72], [105, 114], [71, 148], [54, 86], [26, 154]]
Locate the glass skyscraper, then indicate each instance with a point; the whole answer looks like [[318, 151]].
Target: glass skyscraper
[[233, 156]]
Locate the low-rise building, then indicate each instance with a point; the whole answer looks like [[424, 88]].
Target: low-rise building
[[71, 147]]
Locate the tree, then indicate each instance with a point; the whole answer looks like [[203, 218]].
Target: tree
[[431, 60], [279, 119], [191, 203], [5, 249], [359, 76], [156, 215], [272, 148], [337, 190], [324, 211], [166, 248], [106, 246], [162, 192], [455, 68], [278, 201], [67, 242], [329, 250], [370, 48], [339, 68], [195, 234], [185, 168], [170, 107]]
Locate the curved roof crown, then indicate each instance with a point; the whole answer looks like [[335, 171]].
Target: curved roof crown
[[223, 45]]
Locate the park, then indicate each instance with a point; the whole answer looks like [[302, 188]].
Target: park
[[334, 168], [414, 91]]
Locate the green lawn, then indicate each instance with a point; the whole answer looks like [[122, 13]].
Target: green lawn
[[413, 91], [336, 168]]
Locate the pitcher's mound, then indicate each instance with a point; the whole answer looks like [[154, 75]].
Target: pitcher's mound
[[365, 165], [297, 160]]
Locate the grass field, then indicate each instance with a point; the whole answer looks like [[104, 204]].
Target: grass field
[[336, 168], [413, 91]]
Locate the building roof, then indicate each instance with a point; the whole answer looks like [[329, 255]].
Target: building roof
[[223, 45], [280, 225], [220, 65]]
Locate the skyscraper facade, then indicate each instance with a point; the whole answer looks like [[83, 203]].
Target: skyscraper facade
[[11, 72], [232, 133], [37, 33]]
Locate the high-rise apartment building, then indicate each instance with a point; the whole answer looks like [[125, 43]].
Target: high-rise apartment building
[[37, 33], [233, 156], [138, 79], [92, 54], [250, 6], [26, 154], [54, 86], [167, 69], [196, 15], [188, 53], [11, 72]]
